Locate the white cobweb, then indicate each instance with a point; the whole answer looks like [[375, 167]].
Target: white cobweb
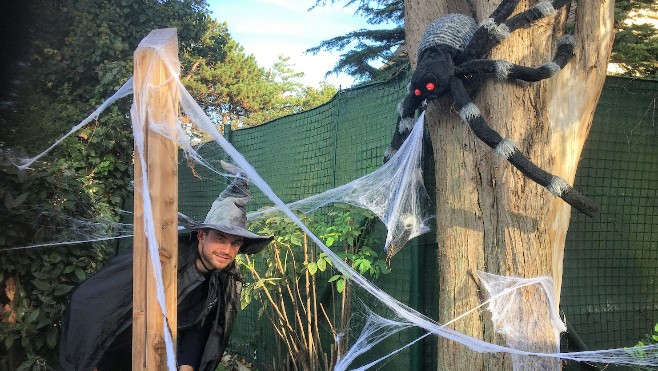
[[519, 323], [393, 193]]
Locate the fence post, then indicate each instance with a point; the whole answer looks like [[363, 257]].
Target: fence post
[[156, 70]]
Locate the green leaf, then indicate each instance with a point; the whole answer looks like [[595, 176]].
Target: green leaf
[[364, 266], [322, 265], [32, 316], [312, 268], [295, 240], [340, 285], [51, 338], [9, 341], [62, 289], [41, 285], [80, 274], [330, 241], [335, 278]]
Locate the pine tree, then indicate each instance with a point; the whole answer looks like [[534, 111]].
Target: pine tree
[[635, 48], [367, 46]]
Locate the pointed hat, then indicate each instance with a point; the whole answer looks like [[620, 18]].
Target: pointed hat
[[227, 214]]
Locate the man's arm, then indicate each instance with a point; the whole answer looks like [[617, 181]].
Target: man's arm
[[191, 345]]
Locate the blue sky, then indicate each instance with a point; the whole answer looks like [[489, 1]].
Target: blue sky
[[268, 28]]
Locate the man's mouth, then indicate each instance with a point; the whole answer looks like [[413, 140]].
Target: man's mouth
[[221, 256]]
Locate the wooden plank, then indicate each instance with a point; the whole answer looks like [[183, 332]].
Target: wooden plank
[[156, 98]]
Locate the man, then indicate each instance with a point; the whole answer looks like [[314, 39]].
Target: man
[[97, 325]]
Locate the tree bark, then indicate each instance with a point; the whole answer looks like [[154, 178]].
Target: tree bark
[[489, 216]]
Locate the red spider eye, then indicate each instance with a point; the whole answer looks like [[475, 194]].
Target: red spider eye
[[417, 92], [429, 86]]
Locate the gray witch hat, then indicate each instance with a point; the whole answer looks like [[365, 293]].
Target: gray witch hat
[[227, 214]]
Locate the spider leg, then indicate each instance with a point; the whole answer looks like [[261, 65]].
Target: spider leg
[[504, 10], [406, 110], [506, 148], [505, 70], [492, 31]]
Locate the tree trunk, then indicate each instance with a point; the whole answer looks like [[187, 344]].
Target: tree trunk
[[489, 216]]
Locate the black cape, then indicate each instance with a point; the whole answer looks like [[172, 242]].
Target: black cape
[[101, 308]]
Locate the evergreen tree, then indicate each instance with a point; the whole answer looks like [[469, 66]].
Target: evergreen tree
[[289, 96], [74, 55], [635, 48], [367, 46]]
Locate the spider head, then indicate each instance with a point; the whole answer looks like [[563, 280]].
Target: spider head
[[432, 76]]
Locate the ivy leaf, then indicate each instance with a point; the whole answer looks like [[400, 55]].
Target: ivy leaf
[[62, 289], [32, 316], [80, 274], [41, 285], [51, 338]]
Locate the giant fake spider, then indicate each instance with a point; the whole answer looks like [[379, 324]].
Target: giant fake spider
[[452, 50]]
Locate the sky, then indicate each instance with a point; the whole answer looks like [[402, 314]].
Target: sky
[[268, 28]]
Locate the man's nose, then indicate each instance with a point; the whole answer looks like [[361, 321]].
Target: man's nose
[[225, 246]]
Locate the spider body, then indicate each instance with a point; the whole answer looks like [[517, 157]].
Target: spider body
[[452, 58]]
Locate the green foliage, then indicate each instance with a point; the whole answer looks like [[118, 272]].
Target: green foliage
[[649, 339], [232, 88], [235, 90], [367, 46], [356, 252], [81, 53], [635, 48], [37, 207], [286, 278], [344, 229]]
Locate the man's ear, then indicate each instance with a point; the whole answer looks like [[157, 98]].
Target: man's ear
[[200, 234]]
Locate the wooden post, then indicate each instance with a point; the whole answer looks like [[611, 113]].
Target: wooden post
[[156, 99]]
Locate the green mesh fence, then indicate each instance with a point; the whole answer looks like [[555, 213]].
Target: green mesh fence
[[305, 154], [609, 294]]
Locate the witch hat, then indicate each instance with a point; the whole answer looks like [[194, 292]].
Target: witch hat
[[227, 214]]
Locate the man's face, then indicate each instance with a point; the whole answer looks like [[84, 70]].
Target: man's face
[[218, 249]]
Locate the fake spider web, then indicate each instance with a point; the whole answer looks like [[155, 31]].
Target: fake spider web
[[394, 192], [405, 220]]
